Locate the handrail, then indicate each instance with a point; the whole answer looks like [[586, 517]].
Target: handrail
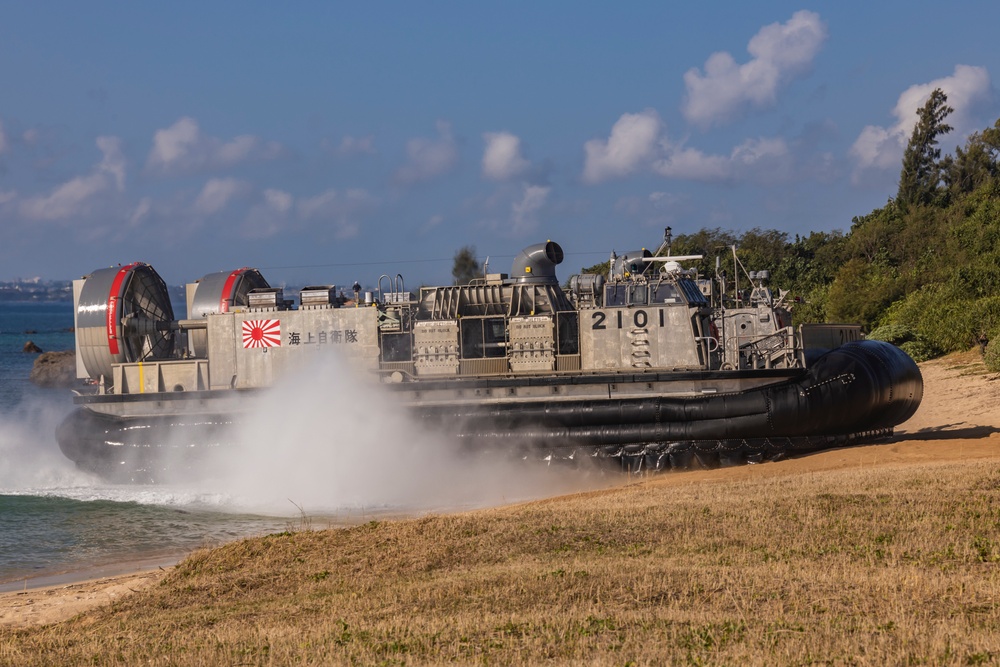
[[386, 276]]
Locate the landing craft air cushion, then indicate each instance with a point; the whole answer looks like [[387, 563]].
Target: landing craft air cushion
[[646, 365]]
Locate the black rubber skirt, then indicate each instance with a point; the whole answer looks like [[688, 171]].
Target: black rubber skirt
[[853, 393]]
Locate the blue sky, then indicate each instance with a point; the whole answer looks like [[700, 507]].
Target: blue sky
[[332, 142]]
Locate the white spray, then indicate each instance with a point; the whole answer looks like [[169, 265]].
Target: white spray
[[30, 459], [329, 439]]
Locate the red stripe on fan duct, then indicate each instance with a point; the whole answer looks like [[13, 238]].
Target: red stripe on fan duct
[[113, 296], [227, 290]]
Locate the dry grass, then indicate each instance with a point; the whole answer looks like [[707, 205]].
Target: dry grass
[[889, 565]]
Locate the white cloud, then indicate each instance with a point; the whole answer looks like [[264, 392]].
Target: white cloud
[[174, 143], [113, 162], [513, 209], [762, 160], [693, 165], [140, 212], [266, 211], [965, 88], [268, 216], [636, 144], [350, 146], [524, 213], [8, 202], [632, 142], [781, 52], [428, 158], [237, 150], [432, 222], [341, 210], [217, 194], [502, 159], [882, 147], [182, 148], [278, 200], [78, 195], [279, 211], [665, 200], [879, 148]]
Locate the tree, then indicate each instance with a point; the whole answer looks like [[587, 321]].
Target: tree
[[709, 243], [762, 248], [807, 268], [974, 166], [466, 267], [861, 293], [918, 182], [874, 237], [601, 268]]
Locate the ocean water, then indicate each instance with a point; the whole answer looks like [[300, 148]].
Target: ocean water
[[55, 519], [324, 447]]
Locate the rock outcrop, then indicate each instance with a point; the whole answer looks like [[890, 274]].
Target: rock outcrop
[[55, 369], [31, 347]]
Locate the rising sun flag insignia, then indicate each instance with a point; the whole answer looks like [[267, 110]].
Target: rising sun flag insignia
[[261, 333]]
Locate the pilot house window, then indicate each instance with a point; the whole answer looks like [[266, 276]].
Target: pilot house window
[[614, 295], [637, 296]]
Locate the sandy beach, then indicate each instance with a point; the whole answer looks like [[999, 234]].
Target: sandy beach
[[51, 604], [958, 419]]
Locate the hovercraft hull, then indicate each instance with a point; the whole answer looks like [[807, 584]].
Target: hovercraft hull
[[854, 393]]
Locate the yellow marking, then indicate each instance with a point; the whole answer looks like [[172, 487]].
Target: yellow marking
[[142, 380]]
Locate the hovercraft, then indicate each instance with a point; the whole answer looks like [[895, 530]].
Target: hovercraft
[[646, 365]]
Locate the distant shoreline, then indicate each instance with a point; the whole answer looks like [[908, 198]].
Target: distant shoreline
[[8, 299]]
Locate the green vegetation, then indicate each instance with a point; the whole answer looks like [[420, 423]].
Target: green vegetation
[[991, 356], [923, 271]]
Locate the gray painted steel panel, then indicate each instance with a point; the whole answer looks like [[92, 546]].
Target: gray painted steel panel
[[240, 360], [651, 337]]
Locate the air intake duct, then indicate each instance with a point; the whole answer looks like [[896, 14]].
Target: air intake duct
[[537, 264], [109, 298]]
